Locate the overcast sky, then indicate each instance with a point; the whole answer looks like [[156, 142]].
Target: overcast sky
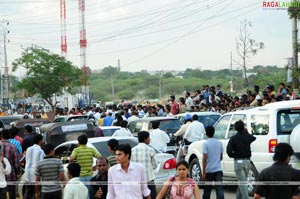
[[149, 34]]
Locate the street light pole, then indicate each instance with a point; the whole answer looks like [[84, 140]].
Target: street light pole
[[5, 79]]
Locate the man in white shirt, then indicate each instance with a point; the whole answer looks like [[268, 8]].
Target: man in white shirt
[[126, 179], [159, 138], [194, 131], [133, 117], [188, 101], [33, 155], [123, 131], [75, 189]]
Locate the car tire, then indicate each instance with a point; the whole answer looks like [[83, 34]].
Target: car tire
[[196, 172], [252, 178]]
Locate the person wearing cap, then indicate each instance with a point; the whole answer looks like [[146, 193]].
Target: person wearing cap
[[5, 169], [279, 172], [187, 121]]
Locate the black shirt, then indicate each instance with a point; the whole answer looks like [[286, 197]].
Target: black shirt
[[279, 172], [96, 182], [27, 141], [239, 145]]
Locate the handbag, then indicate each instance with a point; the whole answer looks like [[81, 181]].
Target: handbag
[[167, 194]]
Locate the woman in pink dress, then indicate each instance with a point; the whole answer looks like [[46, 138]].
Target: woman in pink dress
[[181, 186]]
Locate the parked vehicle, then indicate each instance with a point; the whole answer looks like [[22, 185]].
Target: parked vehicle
[[270, 124], [7, 120], [57, 133], [206, 118], [166, 163], [167, 124], [35, 123], [66, 118], [109, 130]]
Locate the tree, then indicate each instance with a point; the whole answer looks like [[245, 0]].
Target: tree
[[246, 47], [46, 73]]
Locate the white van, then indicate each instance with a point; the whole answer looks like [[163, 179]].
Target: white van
[[270, 124]]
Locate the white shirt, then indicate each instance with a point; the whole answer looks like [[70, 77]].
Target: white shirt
[[122, 132], [33, 155], [75, 190], [159, 139], [132, 118], [189, 103], [194, 131], [131, 184], [3, 172]]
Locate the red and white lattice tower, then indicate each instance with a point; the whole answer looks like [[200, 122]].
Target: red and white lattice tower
[[83, 45], [63, 37]]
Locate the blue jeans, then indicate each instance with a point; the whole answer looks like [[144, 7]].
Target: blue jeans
[[241, 168], [214, 177], [86, 180]]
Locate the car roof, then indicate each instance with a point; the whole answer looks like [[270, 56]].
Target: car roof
[[198, 113], [156, 118], [109, 127], [100, 139], [68, 116]]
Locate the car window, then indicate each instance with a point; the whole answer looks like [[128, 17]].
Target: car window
[[260, 124], [138, 126], [62, 151], [103, 149], [108, 132], [131, 126], [288, 119], [170, 126], [60, 119], [221, 127], [208, 120], [235, 118]]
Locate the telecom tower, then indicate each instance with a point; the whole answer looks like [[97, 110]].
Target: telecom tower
[[63, 38], [83, 44]]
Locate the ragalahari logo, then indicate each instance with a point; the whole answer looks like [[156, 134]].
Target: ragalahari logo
[[280, 5]]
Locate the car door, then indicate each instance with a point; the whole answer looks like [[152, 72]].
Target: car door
[[221, 128], [228, 162]]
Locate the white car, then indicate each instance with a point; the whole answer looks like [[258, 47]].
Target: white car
[[270, 124]]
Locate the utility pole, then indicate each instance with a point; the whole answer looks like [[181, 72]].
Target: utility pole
[[5, 78], [112, 87], [159, 85], [83, 45], [295, 79]]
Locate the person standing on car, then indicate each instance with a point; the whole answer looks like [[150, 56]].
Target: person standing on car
[[98, 188], [239, 148], [211, 164], [280, 171], [84, 157], [49, 173], [34, 154], [159, 138], [145, 155], [194, 131]]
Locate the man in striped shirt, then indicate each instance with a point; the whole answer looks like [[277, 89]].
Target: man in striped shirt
[[49, 174], [144, 154], [84, 157], [10, 152], [33, 155]]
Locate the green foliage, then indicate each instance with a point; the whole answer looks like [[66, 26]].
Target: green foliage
[[47, 73], [142, 85]]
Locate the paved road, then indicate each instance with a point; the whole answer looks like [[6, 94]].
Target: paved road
[[228, 190]]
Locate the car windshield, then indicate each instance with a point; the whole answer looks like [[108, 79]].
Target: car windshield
[[168, 125], [103, 149], [108, 132], [208, 120]]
